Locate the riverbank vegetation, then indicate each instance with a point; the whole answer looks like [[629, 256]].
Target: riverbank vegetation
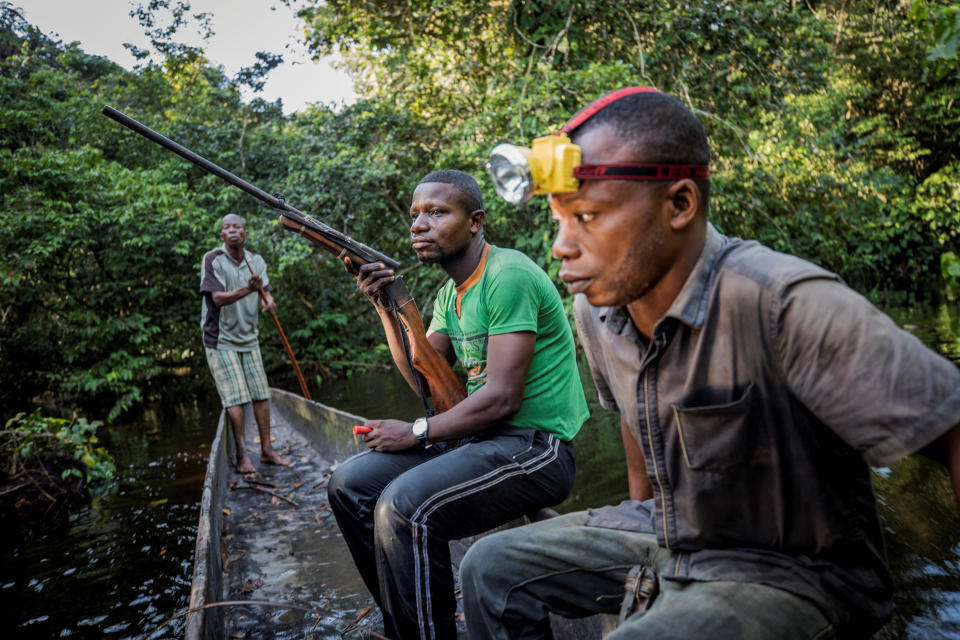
[[49, 465], [834, 125]]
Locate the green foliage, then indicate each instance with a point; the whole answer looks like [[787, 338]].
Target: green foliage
[[255, 76], [941, 24], [103, 231], [834, 130], [950, 268], [27, 439]]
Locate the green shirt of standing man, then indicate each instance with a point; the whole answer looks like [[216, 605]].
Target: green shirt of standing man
[[230, 278]]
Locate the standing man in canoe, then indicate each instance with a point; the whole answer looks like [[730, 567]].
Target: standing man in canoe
[[230, 278], [501, 453], [754, 389]]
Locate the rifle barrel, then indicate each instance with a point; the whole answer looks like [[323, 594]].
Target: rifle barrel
[[198, 160], [361, 250]]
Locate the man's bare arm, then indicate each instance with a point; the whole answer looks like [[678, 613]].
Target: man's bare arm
[[508, 360], [221, 298], [637, 479]]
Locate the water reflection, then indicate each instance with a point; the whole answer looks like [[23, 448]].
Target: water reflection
[[122, 567], [922, 530], [917, 508]]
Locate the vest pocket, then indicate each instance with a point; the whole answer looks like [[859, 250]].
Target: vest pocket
[[716, 438]]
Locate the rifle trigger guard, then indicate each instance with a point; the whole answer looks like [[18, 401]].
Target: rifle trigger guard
[[343, 252]]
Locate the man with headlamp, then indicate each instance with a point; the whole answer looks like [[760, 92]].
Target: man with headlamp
[[754, 389]]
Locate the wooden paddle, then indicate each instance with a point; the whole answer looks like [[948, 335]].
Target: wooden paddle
[[286, 345]]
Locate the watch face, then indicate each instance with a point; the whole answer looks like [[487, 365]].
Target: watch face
[[420, 427]]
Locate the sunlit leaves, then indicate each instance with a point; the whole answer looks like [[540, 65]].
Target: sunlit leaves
[[940, 23], [27, 439], [950, 267]]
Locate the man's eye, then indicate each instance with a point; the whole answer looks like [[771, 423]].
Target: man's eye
[[584, 217], [435, 212]]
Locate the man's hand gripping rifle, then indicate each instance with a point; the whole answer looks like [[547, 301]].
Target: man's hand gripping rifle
[[442, 385]]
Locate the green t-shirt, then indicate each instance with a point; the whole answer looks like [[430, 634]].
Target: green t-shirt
[[508, 293]]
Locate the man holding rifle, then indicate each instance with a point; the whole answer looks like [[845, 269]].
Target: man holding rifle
[[230, 279], [501, 453], [754, 389]]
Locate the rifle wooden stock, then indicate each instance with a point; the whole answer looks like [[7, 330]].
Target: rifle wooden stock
[[444, 386]]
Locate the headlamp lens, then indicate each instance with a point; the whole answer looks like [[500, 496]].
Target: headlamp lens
[[509, 168]]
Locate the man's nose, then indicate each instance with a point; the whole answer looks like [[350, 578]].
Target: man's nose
[[419, 223], [565, 245]]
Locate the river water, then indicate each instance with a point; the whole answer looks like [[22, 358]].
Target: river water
[[124, 563]]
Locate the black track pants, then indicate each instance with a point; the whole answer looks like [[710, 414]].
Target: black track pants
[[398, 511]]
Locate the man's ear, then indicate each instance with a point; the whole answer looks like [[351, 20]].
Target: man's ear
[[477, 219], [685, 198]]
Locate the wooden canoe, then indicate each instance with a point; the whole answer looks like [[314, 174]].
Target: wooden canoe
[[296, 422], [271, 537]]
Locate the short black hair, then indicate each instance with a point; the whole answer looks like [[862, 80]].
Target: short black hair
[[470, 196], [235, 215], [659, 127]]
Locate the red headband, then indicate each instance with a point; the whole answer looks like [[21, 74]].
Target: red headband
[[628, 170], [641, 171], [597, 105]]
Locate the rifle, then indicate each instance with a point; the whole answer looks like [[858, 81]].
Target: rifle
[[443, 386]]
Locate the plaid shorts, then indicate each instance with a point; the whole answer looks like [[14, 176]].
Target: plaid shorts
[[239, 376]]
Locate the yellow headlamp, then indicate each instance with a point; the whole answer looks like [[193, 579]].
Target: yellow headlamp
[[552, 163], [546, 167]]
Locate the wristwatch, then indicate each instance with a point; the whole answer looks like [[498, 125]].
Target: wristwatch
[[420, 428]]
